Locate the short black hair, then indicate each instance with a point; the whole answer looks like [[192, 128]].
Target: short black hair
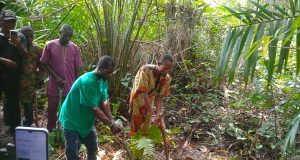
[[166, 57], [106, 62], [26, 29], [66, 27]]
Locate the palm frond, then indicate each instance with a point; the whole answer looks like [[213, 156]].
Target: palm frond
[[272, 48], [252, 56], [238, 50], [286, 42], [298, 51], [281, 27]]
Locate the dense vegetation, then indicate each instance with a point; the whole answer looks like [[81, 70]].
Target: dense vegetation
[[235, 86]]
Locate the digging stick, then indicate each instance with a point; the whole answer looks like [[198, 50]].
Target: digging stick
[[123, 142], [163, 133], [126, 147]]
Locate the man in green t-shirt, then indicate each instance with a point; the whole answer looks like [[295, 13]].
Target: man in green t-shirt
[[86, 101]]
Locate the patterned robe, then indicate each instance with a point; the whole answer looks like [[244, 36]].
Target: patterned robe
[[146, 82]]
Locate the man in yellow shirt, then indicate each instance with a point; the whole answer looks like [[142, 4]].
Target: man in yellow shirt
[[150, 83]]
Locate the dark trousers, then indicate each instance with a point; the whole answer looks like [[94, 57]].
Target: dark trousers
[[73, 142], [28, 112], [11, 89]]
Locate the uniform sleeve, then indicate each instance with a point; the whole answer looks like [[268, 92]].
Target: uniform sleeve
[[165, 87], [142, 80], [45, 55], [78, 60], [89, 94]]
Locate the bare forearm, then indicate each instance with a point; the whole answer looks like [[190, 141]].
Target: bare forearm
[[101, 116], [159, 106], [147, 101], [107, 109]]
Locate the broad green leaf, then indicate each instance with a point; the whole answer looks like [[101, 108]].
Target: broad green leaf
[[272, 48], [259, 14], [236, 14], [229, 49], [294, 131], [255, 55], [249, 39], [289, 140], [225, 47], [291, 31], [238, 49], [286, 42], [246, 14], [296, 4], [281, 10], [235, 57], [263, 9], [252, 56], [292, 7], [265, 44], [298, 51], [155, 134]]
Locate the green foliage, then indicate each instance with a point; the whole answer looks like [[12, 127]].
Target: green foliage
[[289, 140], [104, 134], [117, 25], [126, 81], [115, 108], [142, 148], [56, 138], [283, 27], [236, 132]]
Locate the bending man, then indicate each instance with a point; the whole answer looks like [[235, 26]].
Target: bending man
[[150, 83], [87, 100]]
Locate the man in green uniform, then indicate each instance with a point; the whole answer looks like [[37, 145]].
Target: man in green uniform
[[31, 74], [86, 101]]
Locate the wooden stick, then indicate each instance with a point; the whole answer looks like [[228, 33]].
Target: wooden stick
[[163, 133], [36, 121], [126, 147], [165, 144]]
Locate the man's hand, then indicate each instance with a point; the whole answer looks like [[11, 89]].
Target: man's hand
[[116, 128], [16, 41], [150, 111], [103, 118], [60, 82], [9, 63]]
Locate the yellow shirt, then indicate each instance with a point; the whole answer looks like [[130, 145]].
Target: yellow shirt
[[146, 82]]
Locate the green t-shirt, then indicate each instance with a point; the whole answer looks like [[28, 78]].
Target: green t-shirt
[[86, 93]]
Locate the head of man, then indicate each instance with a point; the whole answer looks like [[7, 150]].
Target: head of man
[[66, 34], [165, 64], [8, 20], [105, 67], [28, 33]]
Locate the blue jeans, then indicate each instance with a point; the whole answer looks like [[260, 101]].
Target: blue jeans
[[73, 142]]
